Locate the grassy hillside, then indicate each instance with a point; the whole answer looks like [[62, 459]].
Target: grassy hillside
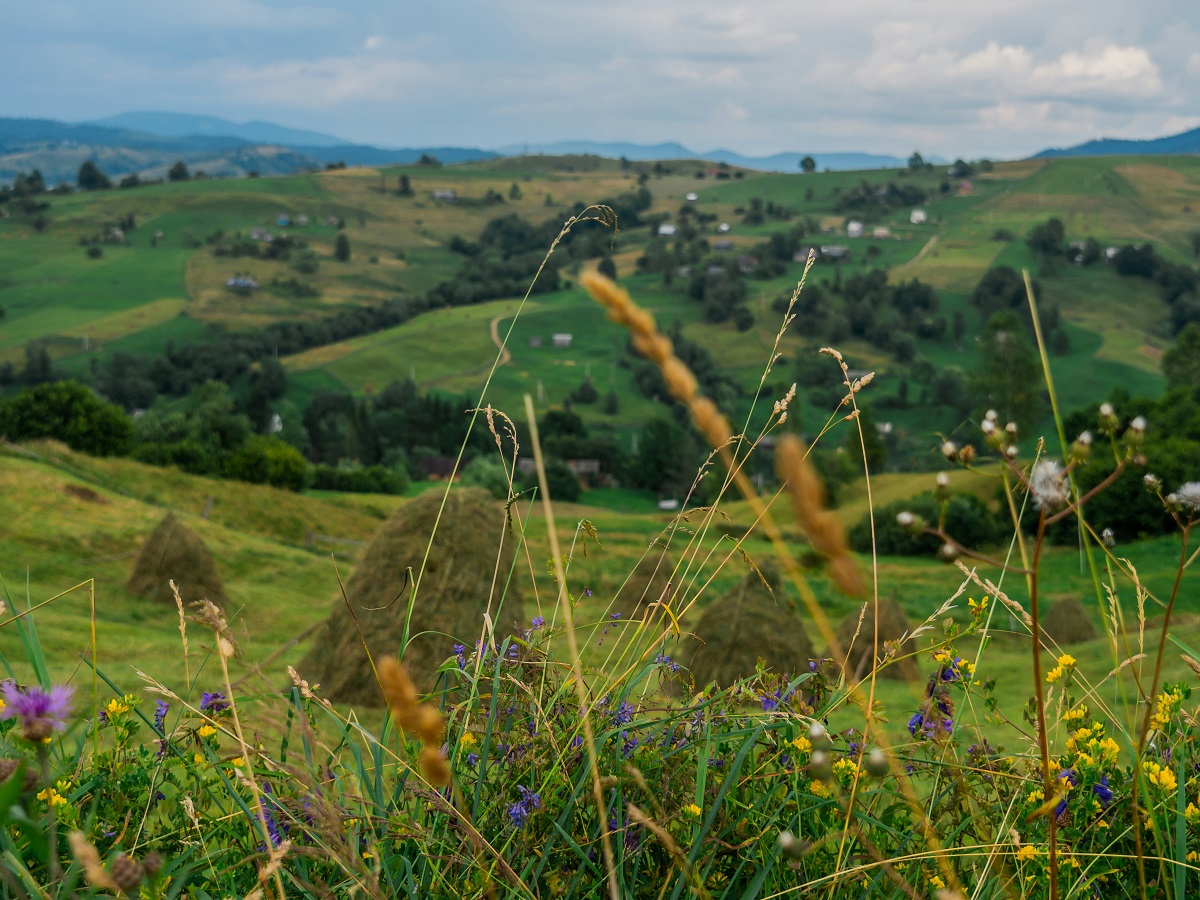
[[164, 284]]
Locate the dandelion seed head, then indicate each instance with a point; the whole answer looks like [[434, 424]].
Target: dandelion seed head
[[1188, 495], [949, 450], [943, 480], [1085, 439], [991, 416], [1138, 424], [1047, 485], [988, 427], [1011, 428], [1106, 410], [1152, 481], [1108, 538], [906, 519]]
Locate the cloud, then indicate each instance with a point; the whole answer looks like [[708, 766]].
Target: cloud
[[325, 82], [1123, 71]]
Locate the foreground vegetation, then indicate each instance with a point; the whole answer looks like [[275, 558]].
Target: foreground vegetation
[[577, 756]]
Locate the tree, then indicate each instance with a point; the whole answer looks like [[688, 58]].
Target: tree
[[38, 366], [67, 411], [90, 178], [1047, 238], [341, 248], [607, 268], [808, 165], [179, 172], [1008, 376], [1181, 364], [916, 161], [949, 391], [268, 460], [405, 188], [664, 461]]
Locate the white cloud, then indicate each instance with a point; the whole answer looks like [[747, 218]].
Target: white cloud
[[1124, 71], [325, 82]]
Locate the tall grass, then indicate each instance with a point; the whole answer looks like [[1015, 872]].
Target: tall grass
[[565, 774]]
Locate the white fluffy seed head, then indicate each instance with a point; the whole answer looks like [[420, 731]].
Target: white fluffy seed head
[[1106, 410], [988, 427], [949, 450], [943, 480], [1047, 485], [991, 416], [1138, 424], [905, 519]]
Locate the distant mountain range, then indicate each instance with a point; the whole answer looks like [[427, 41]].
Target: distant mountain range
[[148, 143], [1186, 143]]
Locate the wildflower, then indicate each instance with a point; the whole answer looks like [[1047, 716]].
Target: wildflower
[[1159, 776], [197, 758], [519, 812], [1167, 704], [1028, 852], [238, 762], [115, 707], [1067, 779], [937, 882], [1103, 792], [988, 427], [943, 480], [206, 730], [1152, 482], [1047, 485], [906, 519], [1108, 538], [802, 744], [538, 622], [472, 759], [949, 450], [1188, 495], [460, 654], [467, 740], [52, 797], [845, 767], [1138, 425], [770, 701], [663, 660], [615, 616], [213, 702], [916, 723], [1076, 714], [41, 712], [160, 714]]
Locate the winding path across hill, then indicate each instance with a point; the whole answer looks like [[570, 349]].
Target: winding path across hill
[[494, 328]]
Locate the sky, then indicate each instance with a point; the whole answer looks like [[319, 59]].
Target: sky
[[1001, 79]]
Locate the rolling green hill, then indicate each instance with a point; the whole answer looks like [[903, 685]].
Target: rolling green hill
[[162, 283]]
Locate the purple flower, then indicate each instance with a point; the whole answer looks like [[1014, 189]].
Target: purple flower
[[1103, 792], [1067, 775], [770, 701], [916, 723], [663, 660], [538, 622], [472, 759], [41, 711], [160, 714], [587, 592], [519, 812], [213, 702], [624, 714], [629, 746], [615, 616]]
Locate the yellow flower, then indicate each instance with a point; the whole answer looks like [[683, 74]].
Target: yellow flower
[[197, 759], [1192, 813], [52, 797], [116, 707], [692, 810], [1028, 852], [845, 767], [1167, 705], [238, 761], [206, 730], [1054, 674], [1035, 796], [802, 744], [1159, 776], [1193, 856], [1076, 714], [819, 788], [1066, 660], [467, 740], [937, 882]]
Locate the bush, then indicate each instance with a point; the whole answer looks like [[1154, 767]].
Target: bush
[[968, 521], [560, 481], [357, 479], [268, 460], [484, 473], [69, 412]]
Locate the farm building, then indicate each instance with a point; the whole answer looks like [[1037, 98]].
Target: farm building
[[918, 217], [446, 195], [854, 228], [562, 340], [666, 230]]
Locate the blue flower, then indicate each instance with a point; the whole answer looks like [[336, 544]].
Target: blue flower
[[472, 759], [624, 714], [1069, 776], [1103, 792], [663, 660], [519, 812], [615, 616], [538, 622], [213, 702], [916, 723], [770, 701], [160, 714]]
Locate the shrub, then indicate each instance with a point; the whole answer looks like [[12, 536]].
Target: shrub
[[268, 460], [69, 412], [968, 521], [356, 479], [484, 473]]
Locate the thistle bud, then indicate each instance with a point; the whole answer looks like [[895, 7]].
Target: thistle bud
[[1011, 428], [906, 519], [820, 737], [948, 553], [949, 450], [1011, 451], [966, 455], [1108, 538], [943, 480], [1082, 447], [991, 416], [1108, 419], [877, 763]]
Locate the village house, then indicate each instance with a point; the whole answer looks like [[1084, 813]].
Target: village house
[[562, 339], [854, 228], [692, 197], [723, 228], [445, 194], [302, 220], [747, 264], [835, 252], [723, 244], [241, 283], [282, 221], [260, 234], [917, 217], [665, 230], [881, 233]]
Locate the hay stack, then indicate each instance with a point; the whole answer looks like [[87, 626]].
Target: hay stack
[[450, 603], [744, 625], [173, 552], [1068, 622], [646, 584], [893, 623]]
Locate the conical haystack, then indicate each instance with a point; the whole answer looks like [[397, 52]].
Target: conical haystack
[[744, 625], [893, 623], [648, 583], [451, 600], [1068, 622], [173, 552]]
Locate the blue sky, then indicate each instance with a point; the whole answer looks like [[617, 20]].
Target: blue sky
[[1001, 79]]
